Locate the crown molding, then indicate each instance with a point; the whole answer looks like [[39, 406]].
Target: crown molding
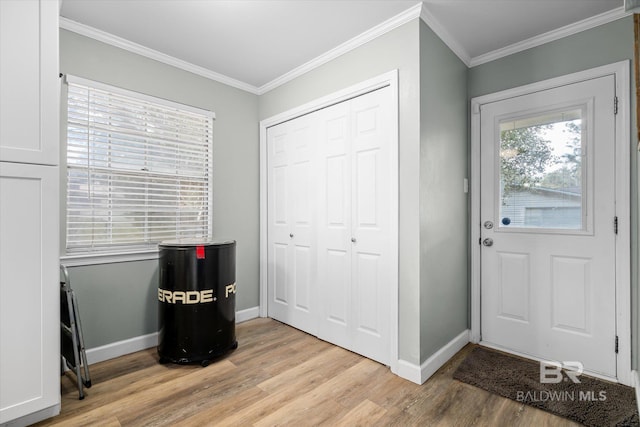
[[417, 11], [377, 31], [550, 36], [380, 29], [445, 36], [102, 36]]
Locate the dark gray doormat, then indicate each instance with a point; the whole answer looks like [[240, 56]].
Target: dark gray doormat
[[592, 402]]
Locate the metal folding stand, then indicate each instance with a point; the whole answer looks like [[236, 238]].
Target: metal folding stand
[[71, 341]]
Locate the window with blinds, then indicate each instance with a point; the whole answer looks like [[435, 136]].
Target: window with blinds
[[138, 169]]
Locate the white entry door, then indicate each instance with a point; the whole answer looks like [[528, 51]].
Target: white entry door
[[548, 224]]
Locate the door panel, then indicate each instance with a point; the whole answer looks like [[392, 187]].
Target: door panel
[[368, 290], [334, 225], [278, 181], [292, 266], [514, 286], [303, 277], [371, 223], [570, 281], [279, 275], [547, 205]]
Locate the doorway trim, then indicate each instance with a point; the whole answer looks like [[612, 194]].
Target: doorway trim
[[389, 79], [622, 189]]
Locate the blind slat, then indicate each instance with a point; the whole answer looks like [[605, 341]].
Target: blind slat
[[138, 171]]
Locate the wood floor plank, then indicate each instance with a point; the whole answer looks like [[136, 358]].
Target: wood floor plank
[[132, 384], [332, 361], [215, 412], [326, 396], [362, 415], [281, 376], [151, 398], [279, 394]]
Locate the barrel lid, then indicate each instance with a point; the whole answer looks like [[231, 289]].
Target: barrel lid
[[191, 242]]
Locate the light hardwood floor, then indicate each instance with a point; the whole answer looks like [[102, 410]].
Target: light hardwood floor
[[281, 376]]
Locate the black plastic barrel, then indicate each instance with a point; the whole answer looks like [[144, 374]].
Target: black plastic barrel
[[197, 300]]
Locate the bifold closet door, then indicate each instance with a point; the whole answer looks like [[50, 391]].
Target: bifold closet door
[[354, 231], [292, 257], [330, 272]]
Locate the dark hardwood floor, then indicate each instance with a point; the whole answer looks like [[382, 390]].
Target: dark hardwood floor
[[281, 376]]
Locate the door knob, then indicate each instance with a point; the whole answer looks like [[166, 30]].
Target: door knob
[[353, 240], [487, 242], [291, 235]]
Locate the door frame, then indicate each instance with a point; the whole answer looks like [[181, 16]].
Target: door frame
[[622, 191], [389, 79]]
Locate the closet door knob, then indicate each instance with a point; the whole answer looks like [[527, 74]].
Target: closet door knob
[[353, 240], [291, 235]]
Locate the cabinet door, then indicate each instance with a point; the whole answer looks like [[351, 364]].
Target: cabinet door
[[29, 291], [29, 82]]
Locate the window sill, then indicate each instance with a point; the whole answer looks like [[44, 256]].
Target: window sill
[[77, 260]]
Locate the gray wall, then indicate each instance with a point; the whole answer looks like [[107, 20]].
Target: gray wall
[[117, 300], [398, 49], [433, 241], [444, 231], [606, 44], [602, 45], [434, 87]]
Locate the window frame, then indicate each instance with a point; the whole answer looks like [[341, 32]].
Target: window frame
[[120, 253]]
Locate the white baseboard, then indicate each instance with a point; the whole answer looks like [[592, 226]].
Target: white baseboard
[[131, 345], [247, 314], [120, 348], [408, 371], [635, 378], [420, 374]]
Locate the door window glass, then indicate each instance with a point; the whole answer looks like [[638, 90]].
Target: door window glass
[[541, 171]]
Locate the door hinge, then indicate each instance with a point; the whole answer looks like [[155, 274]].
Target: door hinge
[[615, 224], [615, 105], [616, 344]]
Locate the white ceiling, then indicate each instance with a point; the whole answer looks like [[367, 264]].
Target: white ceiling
[[254, 43]]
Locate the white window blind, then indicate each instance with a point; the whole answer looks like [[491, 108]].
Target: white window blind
[[138, 169]]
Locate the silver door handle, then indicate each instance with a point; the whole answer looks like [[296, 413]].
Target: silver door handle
[[487, 242]]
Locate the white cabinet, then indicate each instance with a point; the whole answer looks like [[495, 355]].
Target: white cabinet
[[331, 238], [29, 289], [29, 81], [29, 212]]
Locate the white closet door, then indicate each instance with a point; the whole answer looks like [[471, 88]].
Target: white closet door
[[354, 231], [334, 225], [292, 253], [331, 269], [371, 274]]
